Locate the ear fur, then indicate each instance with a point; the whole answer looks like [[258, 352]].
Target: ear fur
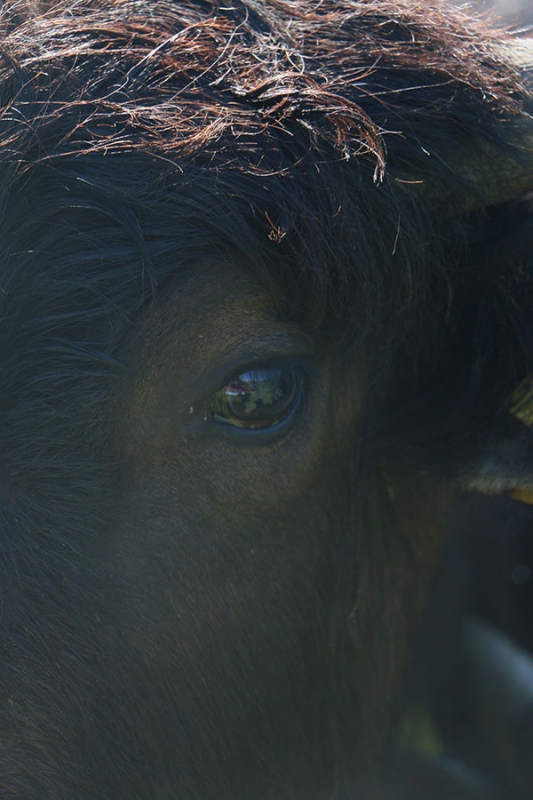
[[504, 460]]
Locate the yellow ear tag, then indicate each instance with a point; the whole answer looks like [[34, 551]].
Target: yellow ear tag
[[521, 407], [521, 402], [523, 496]]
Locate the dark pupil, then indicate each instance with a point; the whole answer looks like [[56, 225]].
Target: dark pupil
[[257, 399]]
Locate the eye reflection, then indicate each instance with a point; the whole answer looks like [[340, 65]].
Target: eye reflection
[[258, 399]]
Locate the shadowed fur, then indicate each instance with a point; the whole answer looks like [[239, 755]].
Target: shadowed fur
[[187, 614]]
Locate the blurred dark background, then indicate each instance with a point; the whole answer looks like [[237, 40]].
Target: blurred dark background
[[516, 13]]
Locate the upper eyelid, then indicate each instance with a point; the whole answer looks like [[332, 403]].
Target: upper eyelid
[[250, 358]]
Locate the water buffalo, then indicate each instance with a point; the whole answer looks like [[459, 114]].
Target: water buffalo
[[265, 302]]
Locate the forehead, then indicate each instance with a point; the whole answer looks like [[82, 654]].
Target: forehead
[[148, 136], [214, 307]]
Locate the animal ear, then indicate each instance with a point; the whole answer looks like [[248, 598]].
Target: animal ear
[[492, 170], [505, 463], [504, 262], [499, 336], [512, 178]]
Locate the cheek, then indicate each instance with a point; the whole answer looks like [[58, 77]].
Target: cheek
[[211, 560], [218, 628], [227, 548], [203, 515]]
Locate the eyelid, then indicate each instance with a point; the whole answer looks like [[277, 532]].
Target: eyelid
[[247, 356]]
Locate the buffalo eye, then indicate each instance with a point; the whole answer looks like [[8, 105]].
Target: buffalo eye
[[259, 398]]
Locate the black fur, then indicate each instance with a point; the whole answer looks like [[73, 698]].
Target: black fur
[[187, 190]]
